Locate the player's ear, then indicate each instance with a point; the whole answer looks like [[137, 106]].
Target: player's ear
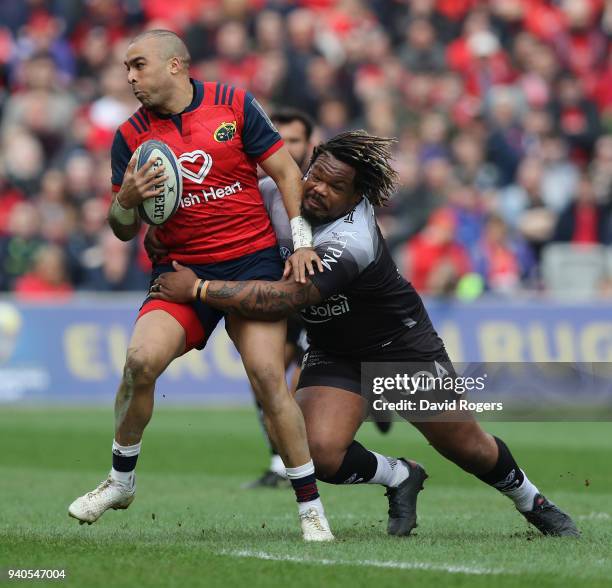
[[175, 65]]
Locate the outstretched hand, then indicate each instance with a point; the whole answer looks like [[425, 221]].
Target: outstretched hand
[[302, 261], [176, 286]]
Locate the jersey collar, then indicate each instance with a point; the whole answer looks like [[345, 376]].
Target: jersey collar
[[198, 96]]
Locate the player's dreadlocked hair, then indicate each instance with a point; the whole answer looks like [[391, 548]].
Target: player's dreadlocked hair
[[369, 156]]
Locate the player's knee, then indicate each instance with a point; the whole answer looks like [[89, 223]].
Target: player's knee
[[269, 383], [327, 458], [140, 369]]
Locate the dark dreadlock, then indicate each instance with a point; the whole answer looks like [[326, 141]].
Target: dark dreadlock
[[369, 156]]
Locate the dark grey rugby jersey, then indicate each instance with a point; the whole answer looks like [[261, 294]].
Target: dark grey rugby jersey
[[369, 309]]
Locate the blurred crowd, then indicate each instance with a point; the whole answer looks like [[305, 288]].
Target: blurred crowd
[[502, 110]]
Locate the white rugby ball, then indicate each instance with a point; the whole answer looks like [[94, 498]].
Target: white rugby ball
[[159, 209]]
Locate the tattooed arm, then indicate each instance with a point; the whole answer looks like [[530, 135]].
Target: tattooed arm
[[262, 300], [253, 299]]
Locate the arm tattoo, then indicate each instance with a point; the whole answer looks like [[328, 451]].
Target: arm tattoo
[[262, 300]]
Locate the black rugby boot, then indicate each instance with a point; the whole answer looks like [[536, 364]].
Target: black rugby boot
[[549, 519], [403, 499]]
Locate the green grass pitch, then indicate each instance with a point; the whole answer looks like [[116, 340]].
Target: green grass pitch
[[192, 525]]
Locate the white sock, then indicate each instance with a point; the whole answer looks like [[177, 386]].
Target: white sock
[[124, 451], [390, 472], [523, 496], [306, 506], [301, 472], [277, 466]]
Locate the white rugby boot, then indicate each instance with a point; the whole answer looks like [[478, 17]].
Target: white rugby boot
[[315, 526], [109, 494]]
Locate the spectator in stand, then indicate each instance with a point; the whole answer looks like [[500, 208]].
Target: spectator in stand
[[501, 260], [470, 166], [585, 221], [576, 117], [422, 52], [115, 105], [238, 65], [333, 117], [433, 135], [80, 175], [505, 140], [24, 160], [433, 260], [581, 46], [498, 106], [600, 170], [115, 268], [41, 105], [21, 243], [9, 197], [301, 49], [57, 213], [559, 176], [201, 31], [522, 206], [84, 253], [468, 207], [48, 279]]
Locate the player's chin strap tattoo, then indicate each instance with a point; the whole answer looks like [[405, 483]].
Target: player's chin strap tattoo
[[259, 300]]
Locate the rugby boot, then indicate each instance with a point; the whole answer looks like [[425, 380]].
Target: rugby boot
[[403, 501], [549, 519], [315, 526], [109, 494]]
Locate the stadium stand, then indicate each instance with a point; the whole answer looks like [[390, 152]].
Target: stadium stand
[[502, 110]]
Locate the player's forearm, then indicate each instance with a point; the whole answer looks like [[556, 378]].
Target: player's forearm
[[125, 224], [291, 188], [261, 300], [281, 167]]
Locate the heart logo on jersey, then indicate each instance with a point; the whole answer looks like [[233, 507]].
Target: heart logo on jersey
[[193, 157]]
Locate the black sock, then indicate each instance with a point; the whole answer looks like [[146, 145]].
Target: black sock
[[358, 466], [305, 488], [506, 474], [124, 463]]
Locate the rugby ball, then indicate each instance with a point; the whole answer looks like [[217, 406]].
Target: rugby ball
[[159, 209]]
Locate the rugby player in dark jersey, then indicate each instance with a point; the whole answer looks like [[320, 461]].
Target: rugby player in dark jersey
[[296, 129], [360, 309]]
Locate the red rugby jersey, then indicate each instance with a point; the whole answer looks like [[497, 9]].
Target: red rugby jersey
[[218, 140]]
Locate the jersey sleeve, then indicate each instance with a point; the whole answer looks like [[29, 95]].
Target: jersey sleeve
[[341, 265], [259, 136], [120, 157], [267, 189]]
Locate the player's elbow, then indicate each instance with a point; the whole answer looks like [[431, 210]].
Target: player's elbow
[[123, 232]]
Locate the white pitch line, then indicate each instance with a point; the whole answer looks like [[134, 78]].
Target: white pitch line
[[373, 563], [594, 516]]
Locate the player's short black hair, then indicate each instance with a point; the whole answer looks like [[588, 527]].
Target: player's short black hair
[[370, 157], [285, 116], [173, 46]]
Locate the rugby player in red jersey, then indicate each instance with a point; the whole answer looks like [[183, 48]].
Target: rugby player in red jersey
[[360, 309], [221, 230]]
